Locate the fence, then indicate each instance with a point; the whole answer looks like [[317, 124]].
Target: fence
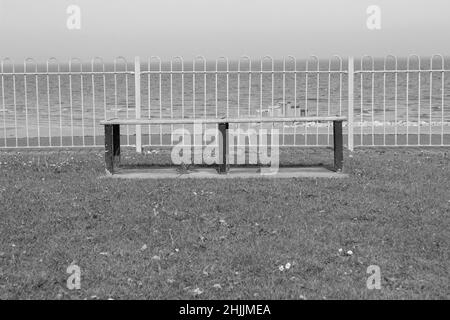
[[390, 101]]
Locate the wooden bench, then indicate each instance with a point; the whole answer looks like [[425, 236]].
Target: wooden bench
[[112, 134]]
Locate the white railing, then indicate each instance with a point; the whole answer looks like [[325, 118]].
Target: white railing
[[389, 102], [251, 88], [60, 105], [402, 102]]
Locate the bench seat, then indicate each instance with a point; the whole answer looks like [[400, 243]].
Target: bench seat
[[219, 120]]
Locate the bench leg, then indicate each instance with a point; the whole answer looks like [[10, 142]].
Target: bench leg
[[112, 146], [338, 145], [116, 144], [223, 147]]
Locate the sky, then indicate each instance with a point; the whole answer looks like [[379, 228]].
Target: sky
[[213, 28]]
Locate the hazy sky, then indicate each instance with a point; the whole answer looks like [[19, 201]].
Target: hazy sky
[[109, 28]]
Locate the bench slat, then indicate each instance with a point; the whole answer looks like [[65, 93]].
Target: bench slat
[[219, 120]]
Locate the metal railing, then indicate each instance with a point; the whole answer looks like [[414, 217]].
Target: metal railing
[[402, 102], [243, 88], [60, 105], [389, 101]]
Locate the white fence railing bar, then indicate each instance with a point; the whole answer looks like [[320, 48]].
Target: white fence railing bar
[[389, 102]]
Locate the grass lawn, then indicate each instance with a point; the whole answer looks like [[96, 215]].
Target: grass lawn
[[225, 239]]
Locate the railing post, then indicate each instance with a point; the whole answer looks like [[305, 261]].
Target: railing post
[[137, 99], [109, 148], [351, 75]]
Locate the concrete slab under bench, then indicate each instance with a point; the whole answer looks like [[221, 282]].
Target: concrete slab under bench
[[233, 173]]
